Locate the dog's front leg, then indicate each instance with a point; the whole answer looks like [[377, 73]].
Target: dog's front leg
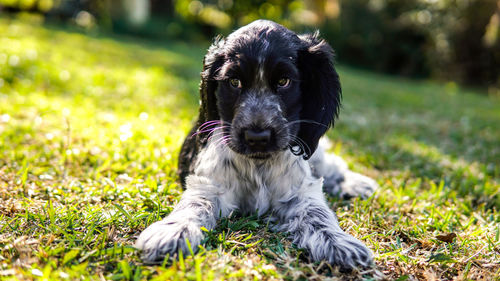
[[312, 225], [200, 206]]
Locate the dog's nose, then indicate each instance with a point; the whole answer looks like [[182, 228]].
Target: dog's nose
[[257, 139]]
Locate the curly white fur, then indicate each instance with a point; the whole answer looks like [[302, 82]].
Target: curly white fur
[[285, 187]]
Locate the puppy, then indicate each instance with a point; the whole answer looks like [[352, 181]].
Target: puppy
[[267, 97]]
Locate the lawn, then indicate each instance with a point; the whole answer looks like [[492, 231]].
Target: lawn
[[90, 128]]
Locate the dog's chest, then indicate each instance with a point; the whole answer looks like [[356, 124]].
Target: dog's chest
[[254, 185]]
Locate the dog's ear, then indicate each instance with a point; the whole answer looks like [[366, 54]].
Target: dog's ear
[[321, 92], [208, 100]]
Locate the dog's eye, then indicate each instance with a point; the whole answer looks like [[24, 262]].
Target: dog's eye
[[235, 83], [283, 82]]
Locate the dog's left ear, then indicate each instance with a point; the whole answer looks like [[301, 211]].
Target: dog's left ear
[[321, 92]]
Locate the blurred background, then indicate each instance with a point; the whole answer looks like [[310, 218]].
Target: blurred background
[[450, 40]]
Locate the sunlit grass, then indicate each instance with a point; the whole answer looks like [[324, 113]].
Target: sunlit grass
[[90, 130]]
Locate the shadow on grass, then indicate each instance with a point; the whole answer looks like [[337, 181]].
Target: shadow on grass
[[419, 129]]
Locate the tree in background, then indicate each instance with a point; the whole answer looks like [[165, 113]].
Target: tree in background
[[448, 39], [465, 37]]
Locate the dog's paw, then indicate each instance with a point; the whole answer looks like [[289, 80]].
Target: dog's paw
[[350, 185], [168, 237], [357, 185], [343, 250]]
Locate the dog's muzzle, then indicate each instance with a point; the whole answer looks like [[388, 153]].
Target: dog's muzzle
[[259, 127]]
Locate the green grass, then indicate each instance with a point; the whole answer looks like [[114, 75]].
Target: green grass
[[91, 126]]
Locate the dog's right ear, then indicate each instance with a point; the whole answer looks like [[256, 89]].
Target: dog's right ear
[[208, 101]]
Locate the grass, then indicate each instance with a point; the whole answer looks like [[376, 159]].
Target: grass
[[90, 129]]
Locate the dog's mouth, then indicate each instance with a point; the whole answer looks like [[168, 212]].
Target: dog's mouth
[[256, 155], [259, 155]]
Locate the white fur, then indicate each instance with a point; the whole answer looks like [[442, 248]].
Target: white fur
[[283, 186]]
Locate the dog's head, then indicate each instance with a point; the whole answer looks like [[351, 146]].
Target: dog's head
[[272, 89]]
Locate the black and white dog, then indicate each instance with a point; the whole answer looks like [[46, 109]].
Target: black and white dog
[[267, 97]]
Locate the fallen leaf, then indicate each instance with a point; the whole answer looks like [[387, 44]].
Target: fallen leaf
[[448, 238]]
